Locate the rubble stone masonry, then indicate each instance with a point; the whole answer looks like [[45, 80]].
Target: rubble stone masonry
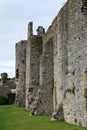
[[51, 67]]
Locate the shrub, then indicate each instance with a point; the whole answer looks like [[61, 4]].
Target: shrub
[[11, 98], [3, 100], [7, 99]]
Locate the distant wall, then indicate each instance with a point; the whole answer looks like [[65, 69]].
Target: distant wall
[[20, 72]]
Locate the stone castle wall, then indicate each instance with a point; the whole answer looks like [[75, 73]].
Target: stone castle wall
[[44, 102], [56, 66], [34, 46], [75, 101], [20, 72]]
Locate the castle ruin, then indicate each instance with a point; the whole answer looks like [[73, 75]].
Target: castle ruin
[[51, 67]]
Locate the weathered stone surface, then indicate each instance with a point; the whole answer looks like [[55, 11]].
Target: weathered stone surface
[[34, 51], [44, 104], [20, 72], [56, 72]]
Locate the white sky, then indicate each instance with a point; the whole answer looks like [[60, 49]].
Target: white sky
[[14, 18]]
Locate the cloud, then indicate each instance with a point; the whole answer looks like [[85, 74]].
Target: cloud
[[14, 18], [8, 67], [8, 63], [9, 70]]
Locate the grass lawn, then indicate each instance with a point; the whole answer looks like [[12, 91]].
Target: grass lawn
[[12, 118]]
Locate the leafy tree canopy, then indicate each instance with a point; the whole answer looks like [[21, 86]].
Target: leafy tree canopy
[[4, 76]]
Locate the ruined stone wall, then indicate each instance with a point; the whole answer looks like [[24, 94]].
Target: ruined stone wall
[[44, 100], [69, 35], [56, 72], [20, 72], [75, 110], [34, 51], [60, 61]]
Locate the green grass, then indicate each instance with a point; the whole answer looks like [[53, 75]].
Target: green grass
[[12, 118]]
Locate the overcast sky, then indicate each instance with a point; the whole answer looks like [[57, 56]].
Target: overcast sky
[[14, 18]]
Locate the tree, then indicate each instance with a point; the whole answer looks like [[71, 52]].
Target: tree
[[4, 77]]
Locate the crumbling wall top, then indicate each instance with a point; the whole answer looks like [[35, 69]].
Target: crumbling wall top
[[30, 29], [40, 30]]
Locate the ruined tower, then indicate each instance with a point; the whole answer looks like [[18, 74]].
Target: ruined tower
[[33, 55]]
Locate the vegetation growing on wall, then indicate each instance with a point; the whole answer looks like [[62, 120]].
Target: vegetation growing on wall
[[70, 90], [86, 106], [86, 93]]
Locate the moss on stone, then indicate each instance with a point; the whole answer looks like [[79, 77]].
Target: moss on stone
[[86, 106], [86, 93]]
